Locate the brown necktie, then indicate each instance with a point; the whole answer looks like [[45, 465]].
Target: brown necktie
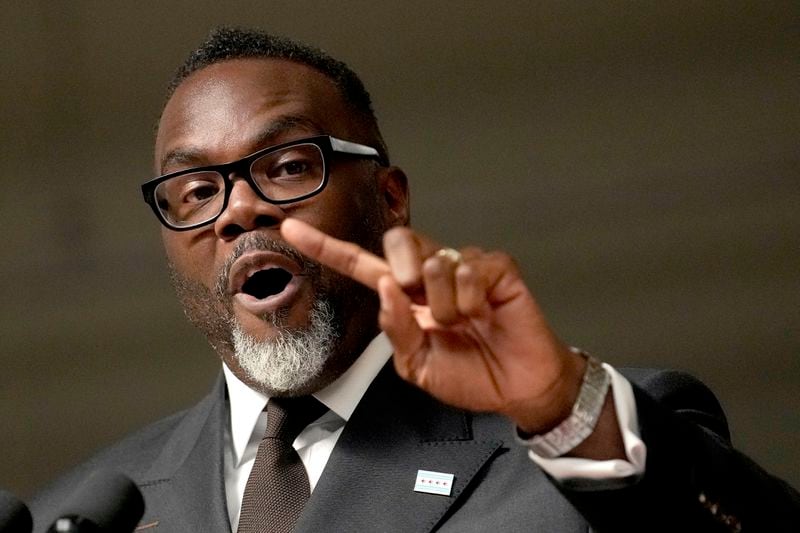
[[278, 487]]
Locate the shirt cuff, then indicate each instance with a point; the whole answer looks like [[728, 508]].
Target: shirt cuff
[[563, 468]]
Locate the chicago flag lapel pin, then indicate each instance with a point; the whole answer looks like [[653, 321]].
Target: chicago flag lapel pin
[[434, 482]]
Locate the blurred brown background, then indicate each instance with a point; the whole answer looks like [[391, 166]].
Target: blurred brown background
[[640, 159]]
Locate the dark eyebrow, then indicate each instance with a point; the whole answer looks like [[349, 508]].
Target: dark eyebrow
[[283, 125], [191, 156], [181, 156]]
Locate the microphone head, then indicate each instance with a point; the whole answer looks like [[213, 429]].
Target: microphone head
[[105, 502], [14, 516]]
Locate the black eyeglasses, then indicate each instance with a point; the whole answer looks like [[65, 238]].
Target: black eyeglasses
[[280, 174]]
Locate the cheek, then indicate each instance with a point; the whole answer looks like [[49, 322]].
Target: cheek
[[191, 257], [354, 215]]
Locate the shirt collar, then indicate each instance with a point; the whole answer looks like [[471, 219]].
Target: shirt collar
[[341, 396]]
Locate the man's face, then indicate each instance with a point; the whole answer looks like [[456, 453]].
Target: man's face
[[236, 277]]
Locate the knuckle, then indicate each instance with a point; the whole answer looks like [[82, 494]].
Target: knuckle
[[471, 252], [351, 260], [504, 260], [433, 268], [465, 274], [471, 308], [447, 320], [396, 236], [445, 314]]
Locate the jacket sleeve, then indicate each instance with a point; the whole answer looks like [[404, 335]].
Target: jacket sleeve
[[693, 479]]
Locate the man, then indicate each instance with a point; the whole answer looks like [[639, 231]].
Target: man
[[286, 231]]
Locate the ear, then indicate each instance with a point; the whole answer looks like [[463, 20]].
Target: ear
[[393, 188]]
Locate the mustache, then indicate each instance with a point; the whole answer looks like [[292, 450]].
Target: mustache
[[259, 242]]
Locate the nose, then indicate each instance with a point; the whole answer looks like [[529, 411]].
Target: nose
[[246, 211]]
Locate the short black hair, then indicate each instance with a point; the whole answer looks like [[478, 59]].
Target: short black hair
[[226, 43]]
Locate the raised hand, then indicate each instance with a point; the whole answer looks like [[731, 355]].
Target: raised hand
[[467, 330]]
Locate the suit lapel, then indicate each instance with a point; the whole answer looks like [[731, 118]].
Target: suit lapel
[[184, 489], [395, 431]]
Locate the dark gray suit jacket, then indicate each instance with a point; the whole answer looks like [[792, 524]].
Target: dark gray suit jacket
[[693, 482]]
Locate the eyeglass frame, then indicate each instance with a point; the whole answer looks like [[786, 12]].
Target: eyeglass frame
[[327, 144]]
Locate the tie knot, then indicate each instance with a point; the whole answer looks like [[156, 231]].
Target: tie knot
[[286, 417]]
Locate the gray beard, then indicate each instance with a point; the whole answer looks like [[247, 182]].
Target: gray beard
[[293, 361], [296, 361]]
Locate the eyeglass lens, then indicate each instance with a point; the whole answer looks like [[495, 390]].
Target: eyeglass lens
[[280, 175]]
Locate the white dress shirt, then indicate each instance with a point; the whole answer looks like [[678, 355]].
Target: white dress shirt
[[314, 444], [248, 421]]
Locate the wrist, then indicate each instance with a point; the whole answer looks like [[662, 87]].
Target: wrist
[[545, 415], [584, 415]]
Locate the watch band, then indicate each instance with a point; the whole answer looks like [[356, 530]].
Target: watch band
[[581, 422]]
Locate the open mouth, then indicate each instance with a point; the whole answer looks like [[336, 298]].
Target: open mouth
[[268, 282], [262, 282]]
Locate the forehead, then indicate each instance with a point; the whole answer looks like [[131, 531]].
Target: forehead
[[229, 109]]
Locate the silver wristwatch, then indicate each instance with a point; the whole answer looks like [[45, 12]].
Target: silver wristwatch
[[583, 419]]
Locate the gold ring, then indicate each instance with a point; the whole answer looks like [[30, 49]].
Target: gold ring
[[452, 254]]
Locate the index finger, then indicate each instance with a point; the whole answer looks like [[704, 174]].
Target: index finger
[[342, 256]]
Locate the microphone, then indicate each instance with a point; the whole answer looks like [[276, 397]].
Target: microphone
[[104, 503], [14, 516]]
